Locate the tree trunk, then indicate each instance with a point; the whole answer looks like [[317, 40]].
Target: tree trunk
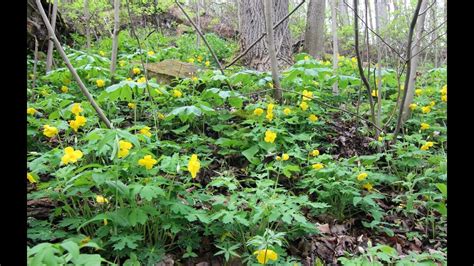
[[198, 22], [49, 57], [113, 63], [335, 49], [88, 30], [343, 10], [314, 33], [379, 5], [271, 48], [414, 61], [253, 26]]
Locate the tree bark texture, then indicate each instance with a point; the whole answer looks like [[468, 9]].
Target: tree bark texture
[[314, 33], [87, 18], [253, 25], [335, 49], [113, 63]]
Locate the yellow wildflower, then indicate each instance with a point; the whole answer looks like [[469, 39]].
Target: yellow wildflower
[[444, 90], [132, 105], [313, 118], [71, 155], [303, 105], [375, 93], [147, 161], [278, 158], [100, 83], [101, 199], [145, 131], [307, 95], [195, 79], [177, 93], [31, 178], [379, 138], [270, 85], [207, 63], [424, 126], [264, 255], [136, 71], [318, 166], [124, 148], [368, 186], [270, 136], [432, 103], [74, 125], [269, 115], [50, 131], [413, 106], [141, 80], [194, 165], [191, 60], [287, 111], [258, 111], [102, 53], [129, 79], [121, 63], [199, 58], [76, 109], [151, 53], [306, 57], [444, 98], [362, 176], [285, 156], [31, 111], [426, 109], [418, 92], [314, 153], [354, 60], [64, 89]]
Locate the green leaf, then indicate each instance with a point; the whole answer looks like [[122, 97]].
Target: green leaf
[[443, 189], [137, 215], [236, 102], [250, 153]]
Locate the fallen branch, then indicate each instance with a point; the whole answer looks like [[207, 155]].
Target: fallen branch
[[71, 68]]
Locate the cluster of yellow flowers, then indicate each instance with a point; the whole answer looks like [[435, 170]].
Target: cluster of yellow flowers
[[284, 157], [194, 165], [427, 146], [269, 115], [444, 93], [264, 255], [141, 80], [270, 136], [80, 120], [145, 131], [147, 161], [71, 155], [124, 148], [361, 177]]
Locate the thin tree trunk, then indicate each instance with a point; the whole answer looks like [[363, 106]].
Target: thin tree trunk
[[49, 57], [113, 63], [414, 62], [271, 48], [35, 63], [314, 33], [335, 48], [73, 71], [198, 22], [434, 35], [378, 122], [408, 71], [88, 30]]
